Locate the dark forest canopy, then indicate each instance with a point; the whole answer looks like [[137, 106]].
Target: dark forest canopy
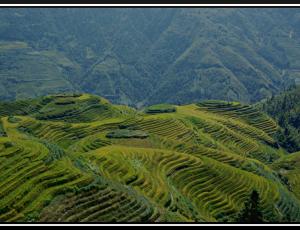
[[285, 108]]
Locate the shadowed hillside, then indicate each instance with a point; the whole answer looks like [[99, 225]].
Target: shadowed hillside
[[149, 56]]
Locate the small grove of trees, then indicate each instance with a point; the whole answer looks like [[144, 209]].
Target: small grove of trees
[[2, 132], [252, 211], [285, 109]]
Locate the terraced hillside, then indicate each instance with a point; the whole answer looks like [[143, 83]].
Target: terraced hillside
[[78, 158]]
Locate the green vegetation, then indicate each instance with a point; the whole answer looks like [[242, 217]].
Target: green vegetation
[[285, 109], [2, 132], [75, 157], [78, 158], [252, 212], [142, 57], [124, 133], [288, 170], [13, 119], [162, 108]]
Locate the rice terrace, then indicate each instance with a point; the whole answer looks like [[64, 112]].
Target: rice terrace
[[199, 163], [149, 115]]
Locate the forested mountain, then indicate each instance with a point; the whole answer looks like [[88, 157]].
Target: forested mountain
[[79, 158], [148, 56], [285, 108]]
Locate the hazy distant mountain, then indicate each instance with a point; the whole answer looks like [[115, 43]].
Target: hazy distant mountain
[[147, 56]]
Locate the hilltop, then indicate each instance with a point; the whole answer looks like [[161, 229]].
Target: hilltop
[[77, 157], [142, 57]]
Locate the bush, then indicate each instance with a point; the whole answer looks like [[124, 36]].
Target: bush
[[2, 132], [8, 145], [55, 152], [162, 108], [13, 119], [32, 217], [126, 133], [252, 211], [65, 101]]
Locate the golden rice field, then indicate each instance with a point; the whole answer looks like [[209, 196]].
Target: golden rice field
[[59, 162]]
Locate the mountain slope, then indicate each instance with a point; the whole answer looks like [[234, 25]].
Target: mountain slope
[[78, 158], [285, 108], [27, 73], [149, 56], [288, 168]]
